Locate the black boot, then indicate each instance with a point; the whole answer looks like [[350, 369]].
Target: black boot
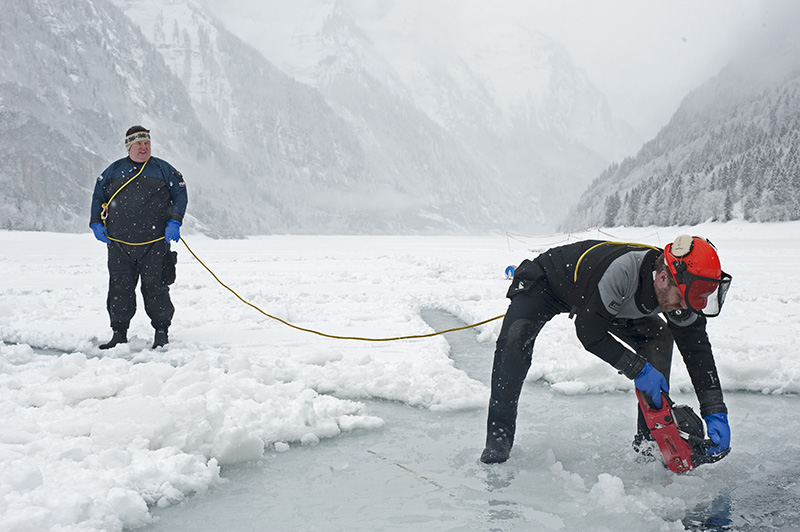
[[498, 447], [500, 428], [160, 339], [120, 337]]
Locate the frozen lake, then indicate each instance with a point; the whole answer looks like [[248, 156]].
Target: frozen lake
[[242, 423], [572, 469]]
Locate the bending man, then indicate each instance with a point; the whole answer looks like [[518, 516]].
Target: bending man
[[617, 289]]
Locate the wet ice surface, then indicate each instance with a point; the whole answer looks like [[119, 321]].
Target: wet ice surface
[[572, 468]]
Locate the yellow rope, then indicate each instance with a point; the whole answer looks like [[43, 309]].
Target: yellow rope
[[104, 212], [409, 337], [577, 264], [104, 215], [136, 243]]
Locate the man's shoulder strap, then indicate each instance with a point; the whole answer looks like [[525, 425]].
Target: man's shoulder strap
[[594, 262]]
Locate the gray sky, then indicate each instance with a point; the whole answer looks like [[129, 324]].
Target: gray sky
[[644, 55]]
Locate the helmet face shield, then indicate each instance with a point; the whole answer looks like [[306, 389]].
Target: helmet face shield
[[703, 295], [695, 267]]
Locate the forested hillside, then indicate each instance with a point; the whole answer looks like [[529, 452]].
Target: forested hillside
[[730, 151]]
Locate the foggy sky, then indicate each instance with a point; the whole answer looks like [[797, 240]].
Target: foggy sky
[[644, 56]]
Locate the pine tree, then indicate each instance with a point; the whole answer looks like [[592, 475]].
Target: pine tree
[[612, 207], [727, 210]]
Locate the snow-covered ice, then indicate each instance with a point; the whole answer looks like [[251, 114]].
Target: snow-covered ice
[[96, 440]]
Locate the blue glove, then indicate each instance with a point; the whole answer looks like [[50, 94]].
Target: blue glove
[[719, 432], [100, 232], [651, 382], [173, 231]]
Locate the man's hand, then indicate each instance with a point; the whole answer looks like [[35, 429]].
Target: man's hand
[[719, 432], [100, 232], [651, 382], [173, 231]]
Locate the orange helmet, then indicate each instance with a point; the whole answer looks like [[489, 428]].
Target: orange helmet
[[695, 267]]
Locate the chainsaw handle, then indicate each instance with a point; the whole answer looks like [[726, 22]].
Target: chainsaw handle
[[665, 400], [706, 458]]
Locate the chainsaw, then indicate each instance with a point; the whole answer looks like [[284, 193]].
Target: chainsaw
[[679, 433]]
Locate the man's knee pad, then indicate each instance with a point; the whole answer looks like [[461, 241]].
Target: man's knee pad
[[153, 284], [521, 336], [120, 281]]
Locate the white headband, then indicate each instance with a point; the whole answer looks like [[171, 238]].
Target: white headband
[[136, 137]]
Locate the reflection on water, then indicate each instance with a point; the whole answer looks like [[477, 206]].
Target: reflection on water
[[715, 518], [768, 498], [500, 509]]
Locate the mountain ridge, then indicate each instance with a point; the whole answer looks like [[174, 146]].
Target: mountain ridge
[[262, 152], [730, 151]]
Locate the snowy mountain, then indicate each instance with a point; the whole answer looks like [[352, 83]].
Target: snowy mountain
[[74, 77], [511, 98], [370, 141], [69, 86], [732, 150]]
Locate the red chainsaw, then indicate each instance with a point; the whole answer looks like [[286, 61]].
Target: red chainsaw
[[679, 433]]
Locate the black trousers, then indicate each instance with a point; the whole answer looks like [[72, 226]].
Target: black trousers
[[126, 265], [528, 312]]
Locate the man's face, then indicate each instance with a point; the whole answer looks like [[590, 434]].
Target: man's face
[[669, 296], [140, 151]]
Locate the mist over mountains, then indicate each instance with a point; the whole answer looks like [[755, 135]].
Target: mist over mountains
[[370, 118], [731, 150], [364, 145]]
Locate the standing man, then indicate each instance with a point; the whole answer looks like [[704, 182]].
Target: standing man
[[615, 289], [137, 210]]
